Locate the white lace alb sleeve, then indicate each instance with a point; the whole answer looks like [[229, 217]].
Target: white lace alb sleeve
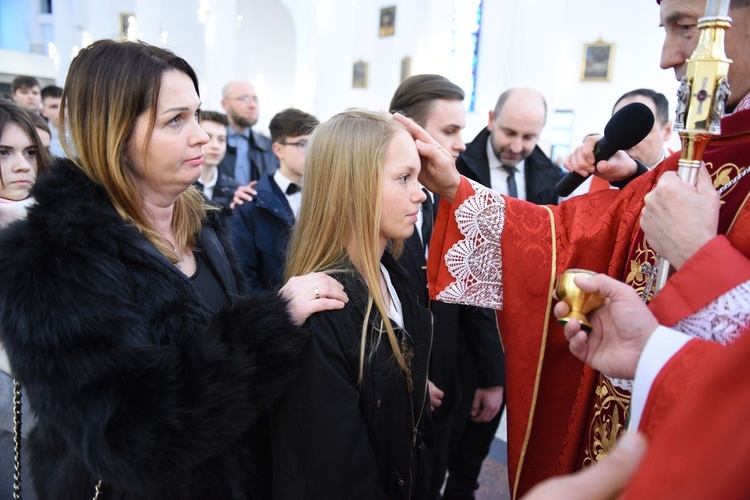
[[720, 321], [723, 319], [475, 262]]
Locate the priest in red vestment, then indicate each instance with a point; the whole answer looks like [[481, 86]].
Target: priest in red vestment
[[696, 396], [503, 253], [493, 251]]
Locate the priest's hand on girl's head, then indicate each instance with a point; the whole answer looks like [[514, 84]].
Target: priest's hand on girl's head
[[438, 173]]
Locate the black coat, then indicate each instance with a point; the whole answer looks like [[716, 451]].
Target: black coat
[[333, 439], [466, 354], [132, 378], [540, 174]]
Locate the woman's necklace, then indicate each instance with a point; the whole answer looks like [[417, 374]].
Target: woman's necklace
[[179, 262]]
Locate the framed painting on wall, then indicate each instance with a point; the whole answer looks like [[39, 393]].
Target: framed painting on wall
[[387, 21], [597, 61], [405, 68], [359, 75], [126, 25]]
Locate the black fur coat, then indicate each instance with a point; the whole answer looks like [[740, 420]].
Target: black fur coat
[[132, 378]]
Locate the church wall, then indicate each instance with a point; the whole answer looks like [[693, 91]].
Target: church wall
[[300, 52]]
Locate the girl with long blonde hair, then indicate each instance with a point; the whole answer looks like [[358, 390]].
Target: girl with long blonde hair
[[353, 426]]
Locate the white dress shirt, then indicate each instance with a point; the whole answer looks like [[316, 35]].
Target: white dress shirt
[[294, 200], [499, 176]]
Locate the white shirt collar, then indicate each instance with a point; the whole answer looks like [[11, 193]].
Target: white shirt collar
[[495, 161], [281, 181], [499, 176], [294, 200]]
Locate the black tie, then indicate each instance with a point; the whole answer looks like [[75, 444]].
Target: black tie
[[427, 219], [512, 188], [293, 188]]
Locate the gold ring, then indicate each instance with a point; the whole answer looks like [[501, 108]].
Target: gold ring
[[317, 292]]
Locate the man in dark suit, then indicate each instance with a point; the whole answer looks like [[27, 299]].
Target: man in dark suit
[[249, 154], [467, 364], [261, 228], [505, 156]]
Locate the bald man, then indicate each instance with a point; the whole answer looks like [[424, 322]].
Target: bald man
[[249, 154], [505, 156]]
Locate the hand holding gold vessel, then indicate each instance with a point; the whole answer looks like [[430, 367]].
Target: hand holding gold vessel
[[580, 303]]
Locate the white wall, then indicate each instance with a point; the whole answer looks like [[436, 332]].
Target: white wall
[[300, 52]]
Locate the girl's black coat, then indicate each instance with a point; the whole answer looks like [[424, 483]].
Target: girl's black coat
[[132, 378], [334, 439]]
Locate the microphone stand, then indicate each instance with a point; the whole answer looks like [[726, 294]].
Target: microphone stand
[[702, 97]]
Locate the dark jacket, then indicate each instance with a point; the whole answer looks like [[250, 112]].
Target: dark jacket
[[456, 324], [262, 158], [466, 354], [132, 378], [223, 193], [333, 439], [540, 175], [260, 231]]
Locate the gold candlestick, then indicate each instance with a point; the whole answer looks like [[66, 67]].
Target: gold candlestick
[[581, 303]]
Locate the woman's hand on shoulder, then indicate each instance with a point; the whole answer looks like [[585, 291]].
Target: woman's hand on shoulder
[[311, 293]]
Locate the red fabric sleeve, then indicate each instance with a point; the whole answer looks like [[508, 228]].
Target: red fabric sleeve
[[677, 381], [703, 450], [715, 269]]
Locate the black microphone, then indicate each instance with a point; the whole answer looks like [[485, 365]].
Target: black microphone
[[625, 129]]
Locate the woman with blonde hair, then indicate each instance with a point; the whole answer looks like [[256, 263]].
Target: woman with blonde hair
[[353, 426], [122, 307]]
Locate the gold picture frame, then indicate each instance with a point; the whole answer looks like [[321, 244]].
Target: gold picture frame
[[125, 24], [359, 75], [405, 68], [597, 61], [387, 21]]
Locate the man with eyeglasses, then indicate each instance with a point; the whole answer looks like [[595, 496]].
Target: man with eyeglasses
[[249, 156], [262, 227]]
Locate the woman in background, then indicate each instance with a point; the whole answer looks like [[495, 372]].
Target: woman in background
[[121, 303], [22, 157], [353, 426]]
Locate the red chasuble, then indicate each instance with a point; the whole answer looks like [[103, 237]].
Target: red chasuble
[[703, 450], [493, 251]]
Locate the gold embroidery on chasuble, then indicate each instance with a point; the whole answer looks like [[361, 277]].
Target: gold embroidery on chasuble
[[608, 421], [611, 403], [723, 177]]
